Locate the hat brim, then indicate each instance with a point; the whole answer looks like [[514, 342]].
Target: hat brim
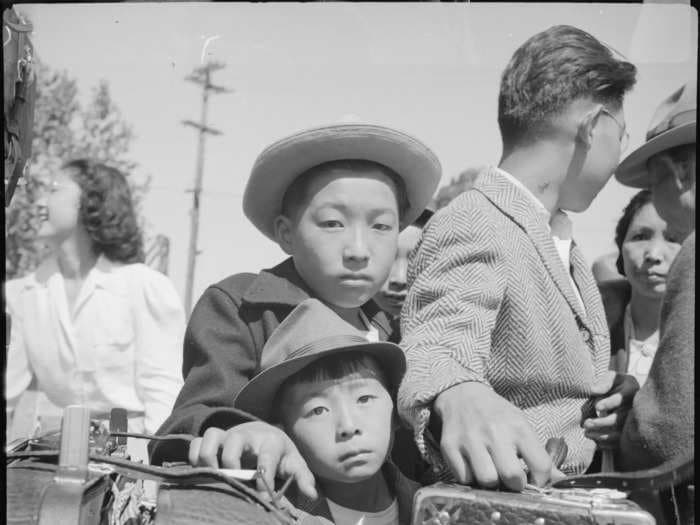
[[258, 395], [282, 162], [633, 172]]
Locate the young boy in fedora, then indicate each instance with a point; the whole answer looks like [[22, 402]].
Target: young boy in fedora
[[503, 327], [332, 392], [334, 198]]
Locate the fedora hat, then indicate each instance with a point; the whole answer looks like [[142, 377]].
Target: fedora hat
[[673, 124], [311, 331], [282, 162]]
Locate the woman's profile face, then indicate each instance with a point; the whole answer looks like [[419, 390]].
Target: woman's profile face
[[648, 251], [59, 208]]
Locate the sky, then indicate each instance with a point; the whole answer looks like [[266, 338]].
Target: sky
[[430, 69]]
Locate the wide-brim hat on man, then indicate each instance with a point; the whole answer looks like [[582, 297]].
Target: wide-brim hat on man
[[282, 162], [311, 331], [673, 124]]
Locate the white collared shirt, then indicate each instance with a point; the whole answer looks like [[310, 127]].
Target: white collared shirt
[[121, 346], [640, 352], [563, 245]]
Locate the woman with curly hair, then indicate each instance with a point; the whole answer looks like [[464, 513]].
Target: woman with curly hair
[[93, 325]]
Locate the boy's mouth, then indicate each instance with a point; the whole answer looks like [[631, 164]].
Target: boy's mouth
[[353, 454], [355, 278]]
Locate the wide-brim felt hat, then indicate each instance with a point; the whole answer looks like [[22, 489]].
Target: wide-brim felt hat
[[310, 332], [282, 162], [674, 124]]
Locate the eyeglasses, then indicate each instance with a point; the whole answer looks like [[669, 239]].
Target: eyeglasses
[[624, 135]]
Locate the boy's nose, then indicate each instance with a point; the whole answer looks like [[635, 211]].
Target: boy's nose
[[356, 248], [347, 425]]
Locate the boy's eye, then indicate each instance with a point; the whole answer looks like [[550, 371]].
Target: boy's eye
[[316, 411], [383, 227], [331, 224], [365, 399]]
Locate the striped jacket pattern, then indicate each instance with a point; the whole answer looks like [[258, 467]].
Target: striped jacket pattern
[[490, 301]]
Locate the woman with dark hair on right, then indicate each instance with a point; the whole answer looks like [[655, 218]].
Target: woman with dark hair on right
[[646, 250], [92, 325]]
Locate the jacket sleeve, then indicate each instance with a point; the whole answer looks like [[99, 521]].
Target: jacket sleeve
[[661, 423], [160, 326], [219, 357], [456, 287]]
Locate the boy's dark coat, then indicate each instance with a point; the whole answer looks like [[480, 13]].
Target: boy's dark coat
[[223, 343]]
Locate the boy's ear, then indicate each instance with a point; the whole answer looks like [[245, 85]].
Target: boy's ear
[[283, 233], [587, 124]]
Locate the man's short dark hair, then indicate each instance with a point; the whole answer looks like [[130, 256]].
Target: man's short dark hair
[[548, 72]]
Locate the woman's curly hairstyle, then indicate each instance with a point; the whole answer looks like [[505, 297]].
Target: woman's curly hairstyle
[[107, 211], [640, 200]]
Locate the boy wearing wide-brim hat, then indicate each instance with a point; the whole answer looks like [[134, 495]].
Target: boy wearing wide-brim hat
[[333, 392], [661, 423], [334, 198]]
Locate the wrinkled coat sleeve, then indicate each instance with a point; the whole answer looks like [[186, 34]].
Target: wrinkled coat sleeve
[[456, 289], [661, 424], [160, 325], [219, 357]]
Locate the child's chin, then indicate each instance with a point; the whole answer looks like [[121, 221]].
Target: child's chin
[[358, 473]]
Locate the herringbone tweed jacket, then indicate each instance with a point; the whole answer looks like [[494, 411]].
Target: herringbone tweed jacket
[[490, 301]]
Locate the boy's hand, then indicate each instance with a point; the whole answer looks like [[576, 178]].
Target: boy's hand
[[265, 445], [612, 411], [484, 436]]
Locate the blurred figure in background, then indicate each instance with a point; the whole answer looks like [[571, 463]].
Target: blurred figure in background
[[93, 325], [391, 296], [646, 251]]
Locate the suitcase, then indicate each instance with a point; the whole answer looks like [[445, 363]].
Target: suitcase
[[83, 476], [589, 499], [443, 504], [62, 490]]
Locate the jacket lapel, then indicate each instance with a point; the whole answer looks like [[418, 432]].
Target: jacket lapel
[[514, 203], [595, 314]]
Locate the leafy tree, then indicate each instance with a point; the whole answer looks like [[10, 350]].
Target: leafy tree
[[63, 130]]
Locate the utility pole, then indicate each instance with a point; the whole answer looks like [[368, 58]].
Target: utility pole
[[202, 76]]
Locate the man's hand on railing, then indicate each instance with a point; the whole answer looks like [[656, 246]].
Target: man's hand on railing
[[484, 436]]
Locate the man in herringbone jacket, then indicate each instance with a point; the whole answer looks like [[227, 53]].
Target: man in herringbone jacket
[[503, 327]]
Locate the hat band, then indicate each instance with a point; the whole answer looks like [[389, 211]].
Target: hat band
[[679, 119], [328, 343]]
